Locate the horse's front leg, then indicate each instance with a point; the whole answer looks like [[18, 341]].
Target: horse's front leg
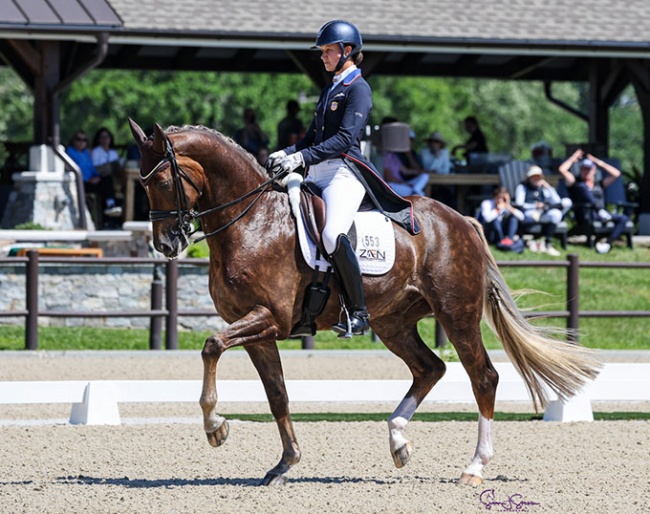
[[266, 360], [258, 325]]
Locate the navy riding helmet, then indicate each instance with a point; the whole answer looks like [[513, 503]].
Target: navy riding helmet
[[342, 32]]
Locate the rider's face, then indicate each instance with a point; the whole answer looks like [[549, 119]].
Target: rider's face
[[331, 55]]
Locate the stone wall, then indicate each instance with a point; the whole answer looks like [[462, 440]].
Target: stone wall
[[109, 287]]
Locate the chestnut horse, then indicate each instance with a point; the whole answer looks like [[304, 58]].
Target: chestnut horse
[[258, 278]]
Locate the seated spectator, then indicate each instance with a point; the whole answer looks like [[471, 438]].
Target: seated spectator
[[500, 219], [586, 191], [435, 159], [93, 181], [404, 173], [541, 203]]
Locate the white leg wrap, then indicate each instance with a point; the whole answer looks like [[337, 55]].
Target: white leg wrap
[[484, 449], [396, 427], [213, 422], [293, 181]]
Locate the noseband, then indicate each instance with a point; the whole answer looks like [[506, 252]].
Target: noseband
[[186, 214]]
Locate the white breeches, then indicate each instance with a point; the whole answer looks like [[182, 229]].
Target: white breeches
[[342, 193]]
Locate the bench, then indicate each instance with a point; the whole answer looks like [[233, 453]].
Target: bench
[[63, 252]]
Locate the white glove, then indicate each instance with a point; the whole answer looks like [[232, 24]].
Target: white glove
[[280, 154], [293, 161], [272, 164]]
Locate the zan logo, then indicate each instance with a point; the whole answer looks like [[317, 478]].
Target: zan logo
[[372, 255]]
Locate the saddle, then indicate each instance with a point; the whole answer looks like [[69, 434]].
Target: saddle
[[312, 208], [368, 229], [312, 211]]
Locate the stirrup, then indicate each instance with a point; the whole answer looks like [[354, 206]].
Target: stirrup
[[355, 324]]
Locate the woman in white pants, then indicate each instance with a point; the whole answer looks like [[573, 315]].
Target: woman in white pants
[[331, 152]]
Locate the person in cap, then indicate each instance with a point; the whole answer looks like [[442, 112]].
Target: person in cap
[[541, 203], [585, 190], [331, 152], [435, 159], [435, 156]]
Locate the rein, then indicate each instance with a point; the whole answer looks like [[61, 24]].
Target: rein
[[186, 215]]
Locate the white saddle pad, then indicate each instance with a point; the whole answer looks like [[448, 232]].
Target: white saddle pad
[[375, 243]]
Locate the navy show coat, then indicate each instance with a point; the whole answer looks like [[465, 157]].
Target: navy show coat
[[335, 132]]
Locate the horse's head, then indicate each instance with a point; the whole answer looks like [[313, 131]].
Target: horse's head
[[173, 182]]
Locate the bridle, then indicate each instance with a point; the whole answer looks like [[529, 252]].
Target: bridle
[[184, 213]]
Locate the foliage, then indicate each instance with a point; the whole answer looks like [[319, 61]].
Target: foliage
[[513, 114], [30, 225], [198, 250], [428, 417], [212, 99]]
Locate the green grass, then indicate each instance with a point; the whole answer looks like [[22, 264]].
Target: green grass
[[600, 289], [429, 416]]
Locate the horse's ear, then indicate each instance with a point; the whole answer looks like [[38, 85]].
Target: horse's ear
[[138, 133], [158, 139]]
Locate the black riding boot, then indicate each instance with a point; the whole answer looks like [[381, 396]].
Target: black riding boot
[[345, 264]]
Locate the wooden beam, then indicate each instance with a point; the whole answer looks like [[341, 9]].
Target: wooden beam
[[641, 82], [29, 55], [371, 61], [614, 83], [522, 67]]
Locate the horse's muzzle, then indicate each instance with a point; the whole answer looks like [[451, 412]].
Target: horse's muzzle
[[171, 247]]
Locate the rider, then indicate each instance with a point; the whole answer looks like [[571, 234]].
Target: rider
[[331, 151]]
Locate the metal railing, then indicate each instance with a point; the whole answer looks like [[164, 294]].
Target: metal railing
[[170, 312]]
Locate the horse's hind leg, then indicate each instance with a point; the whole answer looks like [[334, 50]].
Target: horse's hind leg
[[266, 360], [484, 379], [426, 368]]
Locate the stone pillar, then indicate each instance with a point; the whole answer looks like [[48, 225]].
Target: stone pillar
[[46, 195]]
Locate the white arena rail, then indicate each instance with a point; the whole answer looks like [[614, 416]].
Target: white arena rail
[[96, 402]]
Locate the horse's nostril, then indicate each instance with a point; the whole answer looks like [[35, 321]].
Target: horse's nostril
[[164, 248]]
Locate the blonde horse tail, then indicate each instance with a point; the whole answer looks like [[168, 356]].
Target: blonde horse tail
[[537, 355]]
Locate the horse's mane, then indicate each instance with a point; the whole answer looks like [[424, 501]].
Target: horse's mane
[[228, 140]]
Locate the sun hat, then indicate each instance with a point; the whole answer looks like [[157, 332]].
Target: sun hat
[[534, 170], [437, 136], [587, 163]]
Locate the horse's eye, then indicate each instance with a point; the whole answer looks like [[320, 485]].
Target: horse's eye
[[165, 184]]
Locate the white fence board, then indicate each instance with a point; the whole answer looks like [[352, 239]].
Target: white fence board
[[96, 402]]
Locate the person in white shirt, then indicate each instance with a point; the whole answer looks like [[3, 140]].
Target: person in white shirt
[[435, 159], [541, 203], [500, 219], [106, 161]]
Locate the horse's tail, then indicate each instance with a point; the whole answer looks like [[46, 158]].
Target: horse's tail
[[537, 355]]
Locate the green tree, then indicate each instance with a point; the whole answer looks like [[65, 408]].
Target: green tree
[[513, 114], [108, 98]]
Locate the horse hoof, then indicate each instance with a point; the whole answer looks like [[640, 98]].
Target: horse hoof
[[273, 479], [218, 437], [467, 479], [402, 455]]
